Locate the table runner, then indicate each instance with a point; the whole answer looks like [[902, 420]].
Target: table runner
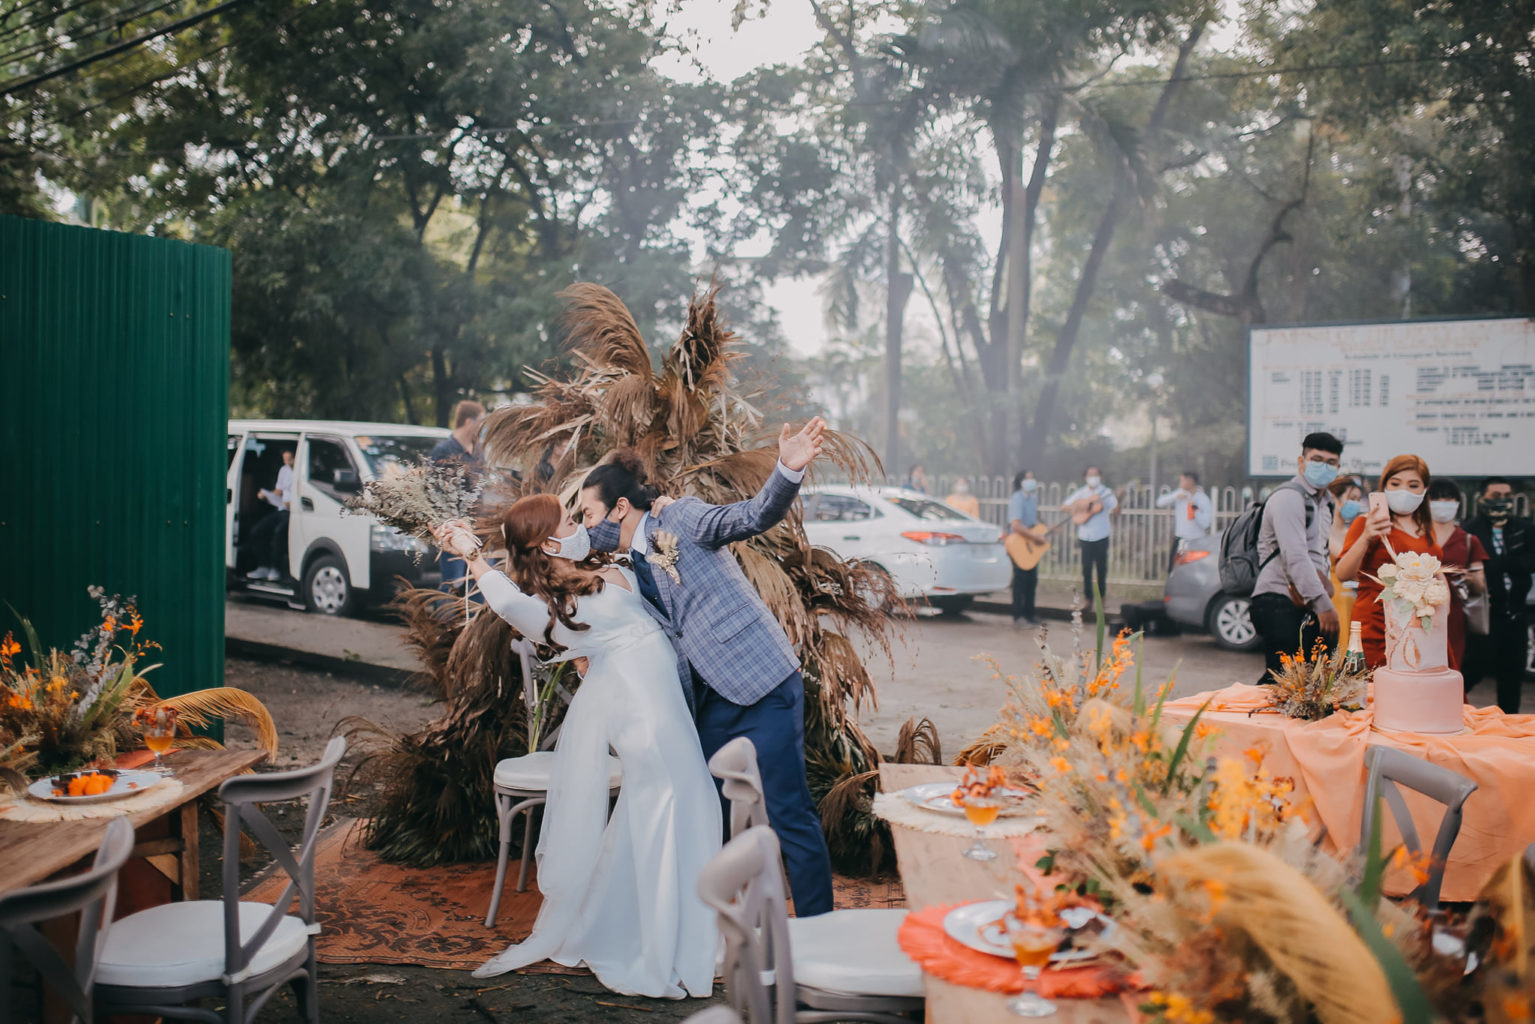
[[26, 809]]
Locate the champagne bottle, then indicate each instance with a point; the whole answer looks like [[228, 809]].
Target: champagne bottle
[[1353, 657]]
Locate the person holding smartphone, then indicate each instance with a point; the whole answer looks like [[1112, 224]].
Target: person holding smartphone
[[1399, 516]]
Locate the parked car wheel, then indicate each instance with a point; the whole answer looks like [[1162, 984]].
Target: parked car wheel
[[327, 588], [954, 604], [1230, 623]]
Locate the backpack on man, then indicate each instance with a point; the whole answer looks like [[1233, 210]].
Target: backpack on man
[[1239, 562]]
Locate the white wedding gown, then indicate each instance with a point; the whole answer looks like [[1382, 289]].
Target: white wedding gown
[[621, 893]]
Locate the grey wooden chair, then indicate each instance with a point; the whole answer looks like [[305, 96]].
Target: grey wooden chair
[[735, 765], [841, 966], [1389, 769], [159, 960], [92, 894], [714, 1015], [521, 785]]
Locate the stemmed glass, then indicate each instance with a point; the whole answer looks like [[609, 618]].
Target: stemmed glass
[[1033, 945], [158, 725], [982, 811]]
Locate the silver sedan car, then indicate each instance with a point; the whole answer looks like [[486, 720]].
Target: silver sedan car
[[1193, 598]]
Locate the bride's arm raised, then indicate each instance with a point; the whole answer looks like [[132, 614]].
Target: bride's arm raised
[[528, 614]]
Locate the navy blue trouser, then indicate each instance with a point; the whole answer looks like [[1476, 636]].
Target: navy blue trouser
[[776, 727]]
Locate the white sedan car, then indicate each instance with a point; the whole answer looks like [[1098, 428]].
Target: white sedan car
[[928, 549]]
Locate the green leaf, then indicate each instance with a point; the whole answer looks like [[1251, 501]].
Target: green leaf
[[1144, 800], [1138, 701], [1194, 827], [1046, 863], [1183, 746], [1101, 625], [1374, 862], [1405, 989]]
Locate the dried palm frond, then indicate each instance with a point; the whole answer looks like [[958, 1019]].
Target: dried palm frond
[[433, 620], [201, 708], [918, 743], [600, 330], [1298, 929]]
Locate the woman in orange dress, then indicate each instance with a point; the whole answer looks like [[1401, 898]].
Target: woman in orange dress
[[1405, 525]]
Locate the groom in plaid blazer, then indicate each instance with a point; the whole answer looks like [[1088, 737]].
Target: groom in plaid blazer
[[738, 669]]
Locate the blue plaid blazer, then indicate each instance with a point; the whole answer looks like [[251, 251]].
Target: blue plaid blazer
[[714, 617]]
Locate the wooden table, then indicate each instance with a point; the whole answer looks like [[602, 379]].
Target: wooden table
[[933, 870], [33, 851]]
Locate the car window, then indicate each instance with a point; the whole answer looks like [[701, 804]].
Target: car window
[[925, 508], [388, 455], [839, 508], [326, 457]]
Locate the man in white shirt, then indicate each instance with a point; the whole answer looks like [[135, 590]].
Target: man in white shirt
[[269, 537], [1192, 513], [1095, 502]]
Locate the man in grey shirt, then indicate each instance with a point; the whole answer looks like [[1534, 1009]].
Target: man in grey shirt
[[1292, 599]]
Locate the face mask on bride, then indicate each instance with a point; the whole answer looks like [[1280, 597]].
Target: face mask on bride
[[574, 547]]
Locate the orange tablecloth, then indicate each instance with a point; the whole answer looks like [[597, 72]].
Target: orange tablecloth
[[1326, 760]]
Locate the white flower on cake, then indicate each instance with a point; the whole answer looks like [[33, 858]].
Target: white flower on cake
[[1416, 581]]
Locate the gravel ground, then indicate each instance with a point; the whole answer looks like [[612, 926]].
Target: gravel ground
[[306, 706]]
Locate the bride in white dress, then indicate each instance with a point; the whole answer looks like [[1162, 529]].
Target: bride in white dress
[[620, 893]]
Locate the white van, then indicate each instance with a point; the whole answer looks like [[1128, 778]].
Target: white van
[[336, 561]]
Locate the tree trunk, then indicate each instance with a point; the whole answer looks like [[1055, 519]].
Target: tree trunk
[[897, 292], [442, 389]]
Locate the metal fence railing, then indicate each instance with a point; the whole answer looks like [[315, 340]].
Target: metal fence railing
[[1142, 533]]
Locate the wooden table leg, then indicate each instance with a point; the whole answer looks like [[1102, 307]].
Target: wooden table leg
[[191, 869]]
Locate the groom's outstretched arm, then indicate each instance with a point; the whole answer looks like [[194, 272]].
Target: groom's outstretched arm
[[714, 526]]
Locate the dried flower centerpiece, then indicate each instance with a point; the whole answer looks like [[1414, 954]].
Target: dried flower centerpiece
[[1222, 901], [59, 711], [416, 499], [1311, 686]]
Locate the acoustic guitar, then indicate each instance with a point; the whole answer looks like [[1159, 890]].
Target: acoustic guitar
[[1027, 550], [1084, 509]]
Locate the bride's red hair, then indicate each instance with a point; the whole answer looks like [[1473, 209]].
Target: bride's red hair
[[524, 527]]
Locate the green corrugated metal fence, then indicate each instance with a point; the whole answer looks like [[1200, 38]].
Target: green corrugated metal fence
[[114, 350]]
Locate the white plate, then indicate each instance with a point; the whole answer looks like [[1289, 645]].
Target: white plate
[[127, 783], [938, 797], [979, 926]]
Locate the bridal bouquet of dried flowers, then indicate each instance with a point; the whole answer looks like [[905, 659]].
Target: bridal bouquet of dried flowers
[[415, 499]]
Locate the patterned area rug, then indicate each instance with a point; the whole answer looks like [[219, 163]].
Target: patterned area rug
[[376, 913]]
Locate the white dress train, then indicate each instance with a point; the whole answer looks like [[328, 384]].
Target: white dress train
[[620, 893]]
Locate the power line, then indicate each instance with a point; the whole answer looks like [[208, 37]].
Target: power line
[[17, 85], [113, 21]]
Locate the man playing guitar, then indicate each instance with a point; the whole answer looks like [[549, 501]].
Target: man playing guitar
[[1026, 545], [1090, 506]]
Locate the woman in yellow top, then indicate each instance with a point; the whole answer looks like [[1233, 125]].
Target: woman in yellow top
[[1348, 492]]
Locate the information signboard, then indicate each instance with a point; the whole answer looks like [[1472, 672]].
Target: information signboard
[[1460, 393]]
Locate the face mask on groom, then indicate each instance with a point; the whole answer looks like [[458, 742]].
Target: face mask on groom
[[605, 535]]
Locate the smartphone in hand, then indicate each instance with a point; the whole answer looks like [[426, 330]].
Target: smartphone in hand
[[1378, 505]]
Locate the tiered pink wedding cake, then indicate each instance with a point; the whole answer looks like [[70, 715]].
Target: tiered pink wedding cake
[[1416, 690]]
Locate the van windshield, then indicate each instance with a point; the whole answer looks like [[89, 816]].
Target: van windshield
[[387, 455]]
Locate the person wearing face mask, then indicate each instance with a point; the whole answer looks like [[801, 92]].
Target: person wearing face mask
[[621, 890], [1462, 551], [1405, 525], [1091, 505], [1348, 496], [736, 664], [1291, 604], [1023, 519], [961, 500], [1509, 542], [1192, 513]]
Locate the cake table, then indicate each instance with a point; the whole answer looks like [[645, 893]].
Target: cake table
[[1326, 761]]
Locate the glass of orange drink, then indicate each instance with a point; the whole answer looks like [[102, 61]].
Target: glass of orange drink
[[982, 811], [1033, 945], [158, 725]]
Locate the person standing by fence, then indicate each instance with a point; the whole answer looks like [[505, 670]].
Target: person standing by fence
[[1192, 513], [1023, 519], [1090, 506]]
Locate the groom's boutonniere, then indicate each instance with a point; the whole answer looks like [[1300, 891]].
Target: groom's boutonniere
[[665, 556]]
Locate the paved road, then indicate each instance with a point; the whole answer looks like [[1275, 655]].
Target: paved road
[[938, 672]]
